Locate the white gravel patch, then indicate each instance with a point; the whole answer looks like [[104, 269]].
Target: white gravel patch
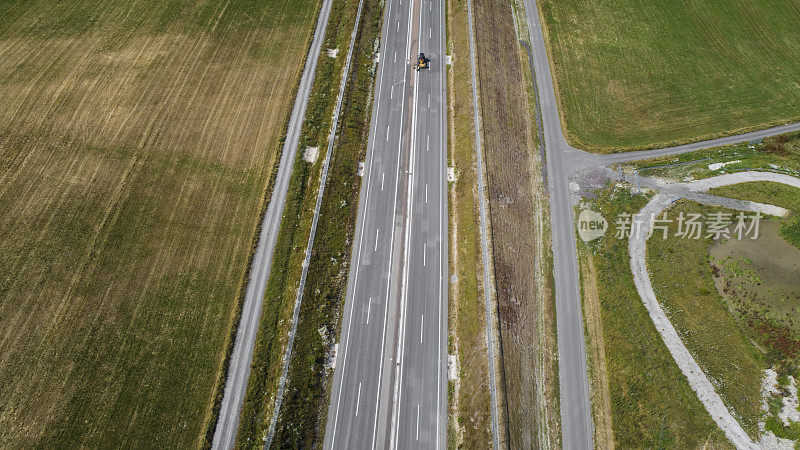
[[310, 154], [769, 387], [791, 411], [717, 166], [772, 442]]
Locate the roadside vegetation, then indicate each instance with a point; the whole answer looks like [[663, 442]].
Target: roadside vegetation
[[301, 420], [682, 276], [779, 154], [137, 142], [469, 393], [633, 75], [734, 303], [518, 216], [650, 401], [305, 405], [284, 279]]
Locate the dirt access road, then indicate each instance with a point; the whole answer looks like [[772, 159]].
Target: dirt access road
[[637, 247]]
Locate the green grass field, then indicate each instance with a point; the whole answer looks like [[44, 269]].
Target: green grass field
[[636, 74], [651, 403], [137, 140]]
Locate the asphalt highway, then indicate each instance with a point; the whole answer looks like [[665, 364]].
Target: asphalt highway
[[389, 386]]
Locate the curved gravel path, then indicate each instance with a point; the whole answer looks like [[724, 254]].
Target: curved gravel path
[[637, 247]]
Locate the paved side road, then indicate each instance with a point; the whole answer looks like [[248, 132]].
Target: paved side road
[[239, 368], [576, 419]]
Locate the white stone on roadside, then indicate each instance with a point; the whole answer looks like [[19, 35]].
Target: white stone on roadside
[[310, 154], [717, 166], [451, 367]]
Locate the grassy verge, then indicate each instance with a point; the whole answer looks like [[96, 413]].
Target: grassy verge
[[777, 154], [293, 234], [597, 367], [302, 419], [470, 404], [650, 400], [135, 150], [631, 75]]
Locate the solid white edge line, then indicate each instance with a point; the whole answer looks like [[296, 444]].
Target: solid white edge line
[[442, 230], [358, 399], [417, 421]]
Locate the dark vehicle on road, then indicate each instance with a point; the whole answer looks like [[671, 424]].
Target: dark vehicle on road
[[423, 62]]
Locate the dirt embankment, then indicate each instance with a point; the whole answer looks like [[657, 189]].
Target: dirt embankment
[[512, 212]]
